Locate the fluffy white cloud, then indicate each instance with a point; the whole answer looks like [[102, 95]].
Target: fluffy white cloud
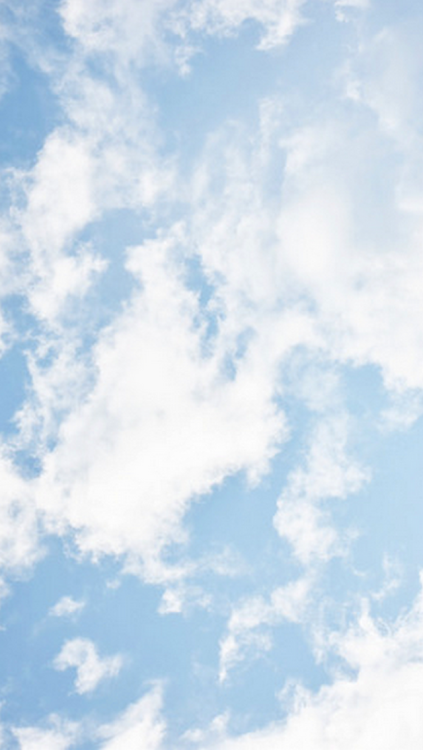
[[164, 423], [140, 726], [378, 707], [91, 669]]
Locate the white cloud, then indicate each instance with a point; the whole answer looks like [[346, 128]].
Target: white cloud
[[20, 547], [285, 272], [59, 736], [278, 18], [247, 629], [161, 407], [66, 607], [91, 669], [57, 202], [125, 28], [343, 6], [182, 598], [140, 726], [329, 473], [376, 708], [103, 156], [60, 193]]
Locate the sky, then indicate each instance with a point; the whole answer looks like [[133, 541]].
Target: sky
[[211, 369]]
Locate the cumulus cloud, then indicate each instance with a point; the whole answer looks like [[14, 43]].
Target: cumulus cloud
[[160, 409], [284, 273], [91, 669]]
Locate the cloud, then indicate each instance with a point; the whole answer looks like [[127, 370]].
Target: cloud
[[125, 29], [66, 607], [375, 703], [343, 6], [60, 736], [329, 473], [160, 408], [278, 18], [139, 726], [91, 669], [247, 630], [102, 156], [20, 546]]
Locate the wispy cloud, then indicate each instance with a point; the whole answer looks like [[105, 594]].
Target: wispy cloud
[[378, 707], [248, 626], [277, 19], [302, 517], [67, 607]]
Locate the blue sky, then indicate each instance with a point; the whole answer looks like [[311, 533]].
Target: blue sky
[[211, 367]]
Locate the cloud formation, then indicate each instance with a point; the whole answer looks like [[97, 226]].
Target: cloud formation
[[66, 607], [377, 706], [140, 725], [91, 669], [192, 301]]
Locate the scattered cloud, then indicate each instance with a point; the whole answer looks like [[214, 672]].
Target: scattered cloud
[[20, 544], [91, 669], [329, 473], [67, 607], [278, 18], [247, 630], [189, 381], [377, 706]]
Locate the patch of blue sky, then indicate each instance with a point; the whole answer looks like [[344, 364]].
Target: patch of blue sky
[[226, 79], [28, 112], [384, 519], [14, 378], [110, 237], [32, 637], [390, 511], [388, 12], [214, 524], [231, 76], [254, 688]]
